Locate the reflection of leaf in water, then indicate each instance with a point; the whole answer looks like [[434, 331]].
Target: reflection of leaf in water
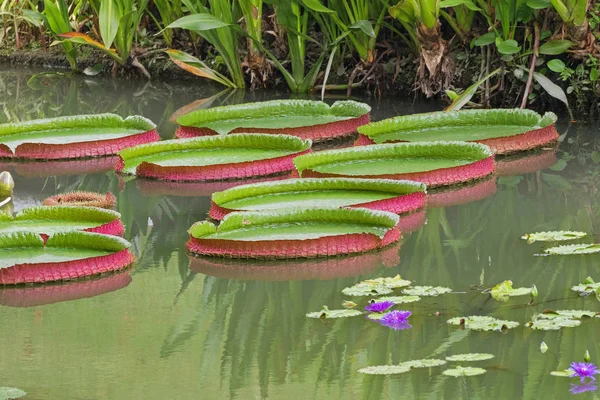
[[556, 181]]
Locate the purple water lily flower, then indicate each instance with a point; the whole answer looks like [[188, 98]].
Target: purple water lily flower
[[584, 370], [396, 320], [380, 307], [586, 387]]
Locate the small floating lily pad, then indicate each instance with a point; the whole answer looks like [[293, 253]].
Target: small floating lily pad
[[376, 287], [574, 249], [9, 393], [425, 363], [553, 236], [470, 357], [567, 373], [578, 314], [464, 371], [483, 323], [384, 370], [553, 324], [587, 287], [400, 299], [390, 282], [329, 314], [426, 291], [503, 291]]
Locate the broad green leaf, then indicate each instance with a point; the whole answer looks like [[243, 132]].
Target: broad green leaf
[[556, 65], [483, 323], [453, 3], [326, 313], [292, 193], [426, 291], [397, 158], [195, 66], [555, 47], [466, 96], [464, 371], [316, 5], [275, 114], [361, 289], [574, 249], [507, 47], [553, 236], [485, 39], [425, 363], [384, 370], [464, 125], [108, 19], [538, 4], [198, 22], [9, 393], [33, 17], [56, 21], [470, 357], [365, 26], [504, 290], [400, 299], [567, 373], [551, 88]]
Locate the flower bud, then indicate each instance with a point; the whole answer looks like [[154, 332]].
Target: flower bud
[[587, 356], [543, 347], [534, 292], [7, 184]]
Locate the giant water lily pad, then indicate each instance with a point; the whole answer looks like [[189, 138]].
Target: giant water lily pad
[[435, 163], [464, 371], [553, 236], [377, 194], [25, 258], [213, 158], [426, 291], [303, 118], [52, 219], [295, 233], [326, 313], [574, 249], [76, 136], [470, 357], [483, 323], [385, 369], [504, 130]]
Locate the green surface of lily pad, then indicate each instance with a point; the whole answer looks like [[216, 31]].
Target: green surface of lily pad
[[384, 370], [483, 323], [72, 129], [426, 291], [567, 373], [503, 291], [553, 236], [553, 324], [464, 125], [300, 224], [289, 193], [574, 249], [587, 287], [376, 287], [56, 219], [9, 393], [470, 357], [464, 371], [326, 313], [425, 363], [275, 114]]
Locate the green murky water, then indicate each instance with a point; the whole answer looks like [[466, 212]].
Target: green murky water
[[181, 328]]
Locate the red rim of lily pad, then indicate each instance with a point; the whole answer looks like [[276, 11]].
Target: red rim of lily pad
[[82, 199], [526, 163], [464, 194], [296, 270], [525, 129], [133, 159], [75, 150], [205, 239], [107, 222], [481, 161], [50, 293], [115, 256], [397, 196], [357, 114]]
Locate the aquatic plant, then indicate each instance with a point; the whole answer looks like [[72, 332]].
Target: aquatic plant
[[9, 393], [464, 371], [550, 320], [433, 163], [586, 387], [402, 367], [396, 320], [78, 136], [426, 291], [25, 257], [306, 119], [504, 290], [379, 306], [377, 194], [470, 357], [574, 249], [587, 287], [326, 313], [7, 184], [584, 371], [295, 233], [483, 323], [376, 287], [213, 157], [49, 220], [552, 236], [85, 199], [57, 18]]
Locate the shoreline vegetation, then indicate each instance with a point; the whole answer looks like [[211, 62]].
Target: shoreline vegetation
[[480, 53]]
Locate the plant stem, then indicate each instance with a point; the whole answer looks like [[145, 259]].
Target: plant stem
[[536, 44]]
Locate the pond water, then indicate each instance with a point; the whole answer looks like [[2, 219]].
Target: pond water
[[175, 327]]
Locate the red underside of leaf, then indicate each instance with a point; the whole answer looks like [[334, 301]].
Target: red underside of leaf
[[149, 187], [324, 269], [48, 272], [114, 228], [42, 151], [525, 165], [462, 195], [438, 177], [501, 145], [316, 133], [321, 247], [82, 199], [49, 294], [397, 205], [216, 172], [42, 169]]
